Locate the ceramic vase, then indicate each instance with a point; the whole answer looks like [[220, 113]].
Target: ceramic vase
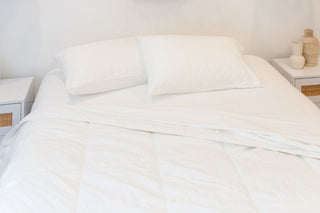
[[311, 48], [297, 60]]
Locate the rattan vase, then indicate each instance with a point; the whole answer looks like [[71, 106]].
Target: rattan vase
[[311, 48]]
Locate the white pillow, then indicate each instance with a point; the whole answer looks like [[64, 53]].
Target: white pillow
[[186, 64], [103, 66]]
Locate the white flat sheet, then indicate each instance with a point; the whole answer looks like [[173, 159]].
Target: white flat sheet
[[78, 164]]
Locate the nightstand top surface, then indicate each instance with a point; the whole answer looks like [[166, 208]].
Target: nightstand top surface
[[306, 72], [15, 90]]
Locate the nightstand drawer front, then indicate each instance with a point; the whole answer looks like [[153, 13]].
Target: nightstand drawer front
[[311, 90], [10, 116], [309, 87], [6, 119]]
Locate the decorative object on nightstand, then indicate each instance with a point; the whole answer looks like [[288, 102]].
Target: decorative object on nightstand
[[311, 48], [306, 80], [16, 99], [297, 60]]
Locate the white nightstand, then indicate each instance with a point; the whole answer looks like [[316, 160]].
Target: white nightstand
[[16, 99], [306, 80]]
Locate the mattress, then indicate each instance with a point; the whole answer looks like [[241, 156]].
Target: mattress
[[276, 96], [67, 158]]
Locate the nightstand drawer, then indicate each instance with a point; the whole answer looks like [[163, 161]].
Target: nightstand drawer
[[309, 87], [10, 116], [311, 90]]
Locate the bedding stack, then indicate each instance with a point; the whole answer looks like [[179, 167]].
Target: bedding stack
[[165, 123]]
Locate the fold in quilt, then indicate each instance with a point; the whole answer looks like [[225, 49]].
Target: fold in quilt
[[298, 135]]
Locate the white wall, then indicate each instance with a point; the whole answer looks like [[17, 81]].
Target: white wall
[[32, 31]]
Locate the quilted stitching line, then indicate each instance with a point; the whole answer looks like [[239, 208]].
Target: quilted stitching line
[[239, 174], [82, 167], [158, 169]]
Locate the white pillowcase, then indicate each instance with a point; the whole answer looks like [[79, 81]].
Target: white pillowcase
[[103, 66], [187, 64]]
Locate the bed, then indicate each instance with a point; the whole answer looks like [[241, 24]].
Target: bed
[[125, 151]]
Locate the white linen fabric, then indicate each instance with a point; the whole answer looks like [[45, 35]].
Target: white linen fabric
[[185, 64], [103, 66], [90, 155]]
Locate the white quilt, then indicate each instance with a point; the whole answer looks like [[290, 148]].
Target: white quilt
[[143, 157], [79, 163]]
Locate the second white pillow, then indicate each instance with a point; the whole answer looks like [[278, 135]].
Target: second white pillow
[[187, 64]]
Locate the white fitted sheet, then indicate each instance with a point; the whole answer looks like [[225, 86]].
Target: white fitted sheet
[[63, 165]]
